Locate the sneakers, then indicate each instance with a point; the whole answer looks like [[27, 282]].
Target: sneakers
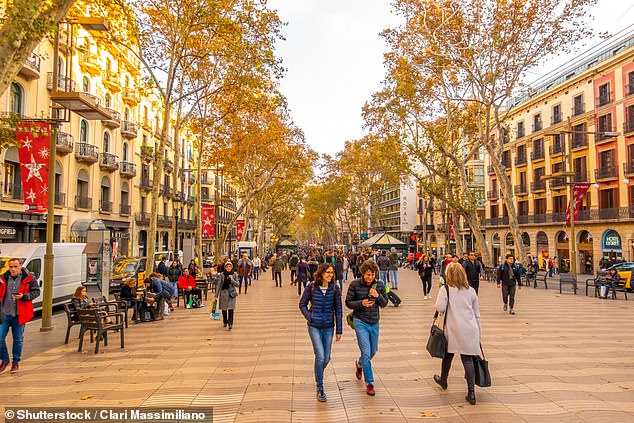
[[15, 367], [3, 366], [358, 371], [512, 311], [425, 297], [505, 307], [187, 306], [440, 381], [369, 389], [321, 395]]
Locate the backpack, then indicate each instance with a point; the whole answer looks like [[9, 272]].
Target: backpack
[[196, 302], [146, 313]]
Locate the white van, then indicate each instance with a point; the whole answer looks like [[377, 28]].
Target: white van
[[69, 269], [158, 256]]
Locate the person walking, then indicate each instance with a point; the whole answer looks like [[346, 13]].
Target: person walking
[[474, 269], [384, 266], [365, 295], [227, 294], [324, 315], [278, 266], [303, 275], [346, 266], [257, 263], [162, 267], [459, 302], [424, 272], [339, 270], [292, 263], [245, 269], [173, 273], [393, 268], [18, 289], [508, 277]]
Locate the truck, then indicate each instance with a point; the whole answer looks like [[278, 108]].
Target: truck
[[69, 269]]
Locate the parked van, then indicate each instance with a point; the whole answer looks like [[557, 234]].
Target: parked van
[[158, 256], [69, 270]]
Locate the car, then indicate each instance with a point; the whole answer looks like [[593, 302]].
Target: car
[[625, 270], [208, 261], [124, 269]]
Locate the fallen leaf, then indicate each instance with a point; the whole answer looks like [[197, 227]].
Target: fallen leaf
[[85, 397], [228, 370], [428, 414], [80, 380]]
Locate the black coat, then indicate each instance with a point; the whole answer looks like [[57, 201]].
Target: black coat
[[359, 291]]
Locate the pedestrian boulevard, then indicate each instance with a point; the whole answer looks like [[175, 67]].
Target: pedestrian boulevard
[[561, 358]]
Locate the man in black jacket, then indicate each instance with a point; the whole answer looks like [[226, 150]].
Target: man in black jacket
[[474, 269], [364, 297], [509, 277]]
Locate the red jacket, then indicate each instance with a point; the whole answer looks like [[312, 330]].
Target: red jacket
[[30, 289], [186, 282]]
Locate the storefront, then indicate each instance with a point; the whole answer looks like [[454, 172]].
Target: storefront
[[562, 245], [509, 244], [542, 249], [26, 227], [526, 242], [586, 255], [611, 245]]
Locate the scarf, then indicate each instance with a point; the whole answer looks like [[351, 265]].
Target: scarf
[[227, 282]]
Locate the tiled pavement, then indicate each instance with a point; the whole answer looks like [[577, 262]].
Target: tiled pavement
[[561, 358]]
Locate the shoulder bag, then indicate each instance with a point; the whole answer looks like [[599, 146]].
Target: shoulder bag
[[437, 342], [482, 375]]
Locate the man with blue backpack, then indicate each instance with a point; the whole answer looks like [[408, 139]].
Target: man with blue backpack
[[509, 278]]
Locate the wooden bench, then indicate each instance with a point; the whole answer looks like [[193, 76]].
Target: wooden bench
[[540, 276], [617, 287], [567, 278], [93, 320]]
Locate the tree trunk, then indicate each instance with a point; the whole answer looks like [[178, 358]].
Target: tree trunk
[[481, 240]]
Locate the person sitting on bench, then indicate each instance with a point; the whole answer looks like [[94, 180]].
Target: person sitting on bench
[[187, 283]]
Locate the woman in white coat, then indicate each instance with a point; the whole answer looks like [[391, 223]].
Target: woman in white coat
[[462, 316]]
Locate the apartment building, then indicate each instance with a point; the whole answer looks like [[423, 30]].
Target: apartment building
[[107, 144], [583, 115], [395, 210]]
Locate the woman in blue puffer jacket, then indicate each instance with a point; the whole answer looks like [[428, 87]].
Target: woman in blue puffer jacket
[[324, 314]]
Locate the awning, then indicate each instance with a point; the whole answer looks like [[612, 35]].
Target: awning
[[81, 226], [92, 248]]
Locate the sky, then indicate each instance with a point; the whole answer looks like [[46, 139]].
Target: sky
[[333, 54]]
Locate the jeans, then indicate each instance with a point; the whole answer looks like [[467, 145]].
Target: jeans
[[293, 274], [345, 274], [508, 294], [368, 341], [383, 276], [174, 287], [322, 343], [467, 363], [278, 275], [340, 281], [299, 286], [256, 273], [475, 284], [394, 278], [17, 330], [247, 282]]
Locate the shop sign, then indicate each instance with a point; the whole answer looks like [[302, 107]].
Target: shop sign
[[8, 233], [611, 240]]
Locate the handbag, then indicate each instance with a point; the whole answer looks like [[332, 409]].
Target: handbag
[[437, 342], [481, 366]]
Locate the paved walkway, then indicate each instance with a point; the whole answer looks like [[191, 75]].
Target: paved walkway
[[561, 358]]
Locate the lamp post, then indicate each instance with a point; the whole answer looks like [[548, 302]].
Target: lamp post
[[176, 201]]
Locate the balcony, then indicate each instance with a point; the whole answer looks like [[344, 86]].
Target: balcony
[[130, 96], [628, 127], [125, 209], [115, 120], [521, 189], [496, 221], [187, 223], [523, 219], [129, 129], [89, 63], [146, 183], [63, 83], [105, 207], [147, 153], [169, 165], [538, 186], [578, 109], [579, 141], [557, 149], [84, 203], [127, 170], [164, 220], [538, 126], [520, 133], [537, 155], [490, 170], [602, 138], [493, 194], [506, 162], [581, 176], [64, 143], [111, 81], [86, 153], [520, 159], [108, 162], [142, 218], [606, 173], [12, 192], [205, 196], [191, 199], [628, 168], [604, 100], [147, 125], [60, 199], [84, 104], [30, 68], [557, 183], [166, 191]]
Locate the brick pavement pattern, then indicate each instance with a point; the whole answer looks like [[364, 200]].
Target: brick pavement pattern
[[561, 358]]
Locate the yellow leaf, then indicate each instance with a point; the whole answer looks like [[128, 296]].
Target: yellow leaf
[[428, 414], [85, 397]]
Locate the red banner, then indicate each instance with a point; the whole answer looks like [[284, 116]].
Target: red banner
[[578, 192], [239, 229], [208, 226], [452, 233], [34, 139]]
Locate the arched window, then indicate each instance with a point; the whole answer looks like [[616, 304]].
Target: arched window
[[125, 152], [105, 206], [106, 142], [82, 199], [83, 131], [16, 99], [108, 100], [85, 84]]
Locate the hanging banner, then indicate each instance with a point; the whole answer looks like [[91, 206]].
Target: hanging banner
[[452, 233], [34, 139], [578, 192], [208, 224], [239, 229]]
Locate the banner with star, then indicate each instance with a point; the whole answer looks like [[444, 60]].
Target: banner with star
[[239, 229], [207, 215], [34, 139]]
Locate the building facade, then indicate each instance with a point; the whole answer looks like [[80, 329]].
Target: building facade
[[577, 127], [395, 211]]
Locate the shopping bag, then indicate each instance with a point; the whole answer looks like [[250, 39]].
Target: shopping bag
[[214, 311], [482, 375]]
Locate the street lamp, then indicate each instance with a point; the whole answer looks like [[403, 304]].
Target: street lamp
[[176, 202]]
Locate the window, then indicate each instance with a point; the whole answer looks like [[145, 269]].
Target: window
[[143, 204], [85, 85], [604, 95], [82, 183], [520, 129], [540, 206], [604, 123], [83, 131], [125, 152], [506, 158], [494, 211], [579, 137], [537, 122], [556, 114], [629, 119], [478, 174], [106, 142], [125, 193], [16, 99], [522, 208], [629, 89], [578, 106], [105, 193], [581, 169], [12, 177], [521, 154], [608, 199], [126, 114], [560, 204], [35, 267], [606, 158]]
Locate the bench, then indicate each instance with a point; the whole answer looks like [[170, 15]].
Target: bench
[[567, 278], [93, 320], [540, 276], [594, 283]]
